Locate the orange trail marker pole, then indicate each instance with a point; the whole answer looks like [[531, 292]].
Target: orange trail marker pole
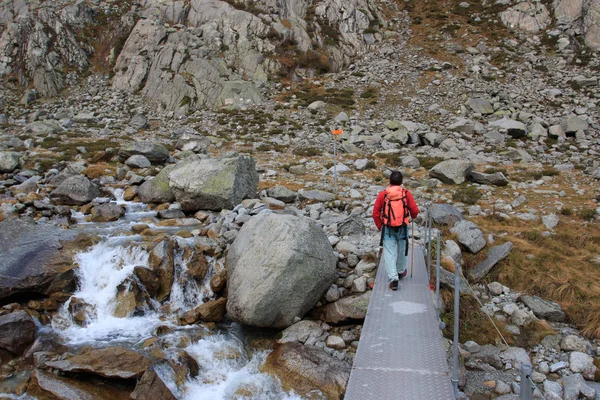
[[335, 134]]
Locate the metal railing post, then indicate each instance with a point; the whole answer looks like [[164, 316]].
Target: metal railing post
[[456, 317], [429, 245], [437, 277], [526, 389]]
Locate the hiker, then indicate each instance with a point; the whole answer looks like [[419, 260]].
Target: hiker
[[393, 207]]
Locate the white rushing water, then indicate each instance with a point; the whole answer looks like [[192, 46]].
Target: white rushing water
[[226, 369]]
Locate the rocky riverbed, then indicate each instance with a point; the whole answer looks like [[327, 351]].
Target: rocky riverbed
[[169, 224]]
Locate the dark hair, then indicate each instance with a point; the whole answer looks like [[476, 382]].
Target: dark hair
[[396, 178]]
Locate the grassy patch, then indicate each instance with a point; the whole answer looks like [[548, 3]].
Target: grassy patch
[[467, 194], [307, 152], [308, 93], [429, 162], [391, 159]]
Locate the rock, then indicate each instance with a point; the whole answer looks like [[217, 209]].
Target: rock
[[582, 363], [31, 262], [496, 288], [528, 17], [447, 279], [306, 368], [157, 189], [469, 236], [76, 190], [575, 385], [316, 105], [110, 362], [496, 179], [211, 311], [351, 226], [107, 212], [481, 106], [514, 128], [452, 171], [573, 124], [335, 342], [138, 121], [9, 161], [48, 386], [445, 214], [171, 214], [316, 195], [410, 162], [347, 309], [151, 387], [44, 127], [138, 161], [217, 283], [214, 184], [162, 263], [463, 125], [282, 193], [544, 309], [550, 221], [517, 356], [17, 332], [342, 117], [472, 347], [301, 332], [155, 153], [574, 343], [494, 256], [271, 285], [488, 354]]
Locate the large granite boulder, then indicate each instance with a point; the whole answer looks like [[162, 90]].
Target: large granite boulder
[[214, 184], [496, 179], [31, 261], [17, 332], [9, 161], [452, 171], [278, 268], [110, 362], [157, 189], [306, 368], [445, 214], [155, 153], [469, 235], [107, 212], [494, 256], [75, 191], [544, 309]]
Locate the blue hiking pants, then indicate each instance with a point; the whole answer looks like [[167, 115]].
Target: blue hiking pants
[[394, 251]]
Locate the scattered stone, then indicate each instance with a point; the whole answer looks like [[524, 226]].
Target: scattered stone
[[9, 161], [496, 179], [494, 256], [452, 171], [471, 237], [138, 121], [138, 161], [544, 309], [107, 212], [76, 190], [155, 153], [282, 193]]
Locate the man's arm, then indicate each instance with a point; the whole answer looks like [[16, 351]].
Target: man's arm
[[377, 210], [412, 205]]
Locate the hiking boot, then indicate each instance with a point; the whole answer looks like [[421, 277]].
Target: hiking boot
[[394, 285], [402, 275]]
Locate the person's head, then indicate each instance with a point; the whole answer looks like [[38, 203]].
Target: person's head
[[396, 178]]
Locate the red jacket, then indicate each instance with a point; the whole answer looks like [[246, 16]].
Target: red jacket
[[410, 204]]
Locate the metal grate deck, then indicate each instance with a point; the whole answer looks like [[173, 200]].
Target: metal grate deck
[[400, 354]]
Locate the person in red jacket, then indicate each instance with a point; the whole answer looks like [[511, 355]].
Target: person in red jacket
[[391, 212]]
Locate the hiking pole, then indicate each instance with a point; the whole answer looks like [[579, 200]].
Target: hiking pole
[[380, 246], [412, 254]]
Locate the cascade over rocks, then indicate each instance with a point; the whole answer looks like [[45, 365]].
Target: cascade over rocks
[[214, 184], [279, 266], [150, 387]]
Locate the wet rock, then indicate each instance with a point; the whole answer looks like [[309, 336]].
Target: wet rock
[[214, 184], [469, 236], [107, 212], [155, 153], [301, 332], [211, 311], [217, 283], [76, 190], [544, 309], [36, 259], [162, 263], [151, 387], [171, 214], [306, 368], [17, 332], [347, 309], [81, 311], [494, 256], [45, 343], [47, 386], [452, 171], [110, 362], [149, 278], [9, 161], [197, 266], [269, 285]]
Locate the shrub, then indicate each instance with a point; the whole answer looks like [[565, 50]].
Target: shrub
[[467, 194], [307, 152], [566, 211], [371, 165], [587, 214]]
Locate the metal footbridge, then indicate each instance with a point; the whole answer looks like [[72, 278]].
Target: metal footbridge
[[400, 353]]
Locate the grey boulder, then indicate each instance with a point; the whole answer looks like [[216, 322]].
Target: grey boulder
[[107, 212], [445, 214], [452, 171], [544, 309], [157, 189], [496, 179], [138, 121], [155, 153], [282, 193], [76, 190], [214, 184], [9, 161], [481, 106], [573, 124], [494, 256], [138, 161], [17, 332], [469, 235], [279, 266], [514, 128]]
